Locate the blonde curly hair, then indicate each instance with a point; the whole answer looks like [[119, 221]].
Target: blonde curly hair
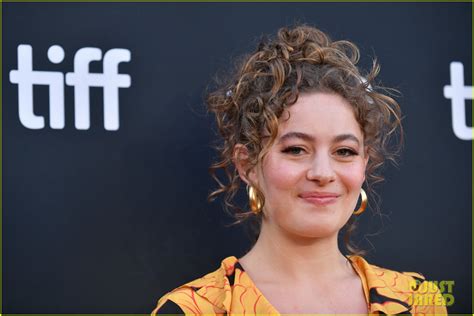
[[301, 59]]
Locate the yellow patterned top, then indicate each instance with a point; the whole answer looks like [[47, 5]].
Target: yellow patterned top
[[230, 291]]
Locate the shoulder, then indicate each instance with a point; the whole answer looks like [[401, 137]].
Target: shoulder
[[401, 290], [209, 294]]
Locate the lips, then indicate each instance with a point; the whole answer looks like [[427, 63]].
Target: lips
[[319, 198]]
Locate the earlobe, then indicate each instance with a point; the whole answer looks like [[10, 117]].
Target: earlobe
[[242, 164], [240, 159], [366, 161], [366, 157]]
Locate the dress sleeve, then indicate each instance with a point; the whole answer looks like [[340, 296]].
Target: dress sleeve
[[183, 300], [169, 307]]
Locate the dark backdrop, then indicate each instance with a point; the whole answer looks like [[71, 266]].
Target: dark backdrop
[[100, 221]]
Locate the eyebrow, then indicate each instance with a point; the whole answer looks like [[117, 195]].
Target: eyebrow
[[309, 138]]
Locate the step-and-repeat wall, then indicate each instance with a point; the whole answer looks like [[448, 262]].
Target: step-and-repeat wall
[[106, 145]]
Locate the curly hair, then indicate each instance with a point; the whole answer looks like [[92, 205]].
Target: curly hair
[[302, 59]]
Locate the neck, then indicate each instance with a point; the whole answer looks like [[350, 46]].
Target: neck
[[296, 258]]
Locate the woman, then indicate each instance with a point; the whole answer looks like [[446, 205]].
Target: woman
[[304, 131]]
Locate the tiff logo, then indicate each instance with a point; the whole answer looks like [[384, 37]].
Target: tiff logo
[[81, 79], [459, 93]]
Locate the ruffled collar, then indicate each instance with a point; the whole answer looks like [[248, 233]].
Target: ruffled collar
[[386, 291]]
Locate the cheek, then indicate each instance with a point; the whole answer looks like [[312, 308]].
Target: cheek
[[353, 176], [280, 175]]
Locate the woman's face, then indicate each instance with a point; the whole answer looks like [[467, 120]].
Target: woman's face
[[312, 174]]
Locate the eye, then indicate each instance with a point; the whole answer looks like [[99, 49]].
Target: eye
[[346, 152], [293, 150]]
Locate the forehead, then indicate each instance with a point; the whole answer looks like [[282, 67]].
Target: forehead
[[320, 115]]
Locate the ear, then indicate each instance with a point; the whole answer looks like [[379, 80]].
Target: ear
[[241, 162], [366, 159]]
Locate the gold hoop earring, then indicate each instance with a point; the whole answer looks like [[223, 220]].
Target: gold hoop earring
[[363, 202], [254, 201]]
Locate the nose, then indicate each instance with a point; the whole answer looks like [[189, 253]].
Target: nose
[[321, 170]]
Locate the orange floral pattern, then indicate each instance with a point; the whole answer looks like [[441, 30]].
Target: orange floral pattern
[[230, 291]]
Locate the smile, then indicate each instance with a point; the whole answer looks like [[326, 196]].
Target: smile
[[321, 200]]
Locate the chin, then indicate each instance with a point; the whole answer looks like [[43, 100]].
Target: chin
[[319, 230]]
